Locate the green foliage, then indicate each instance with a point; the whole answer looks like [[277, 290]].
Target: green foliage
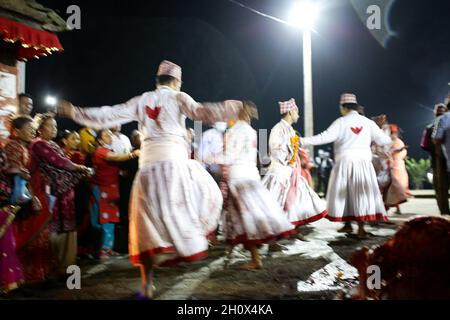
[[417, 171]]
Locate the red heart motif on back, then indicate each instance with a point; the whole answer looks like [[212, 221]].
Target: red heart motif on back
[[356, 130], [153, 113]]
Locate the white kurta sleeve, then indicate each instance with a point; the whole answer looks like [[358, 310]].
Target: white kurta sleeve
[[208, 112], [328, 136], [378, 136], [278, 146], [108, 116]]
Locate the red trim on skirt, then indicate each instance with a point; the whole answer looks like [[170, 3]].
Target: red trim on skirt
[[245, 241], [139, 258], [311, 219], [370, 217]]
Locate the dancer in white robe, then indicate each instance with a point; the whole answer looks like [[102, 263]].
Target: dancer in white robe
[[175, 204], [283, 179], [353, 193], [252, 216]]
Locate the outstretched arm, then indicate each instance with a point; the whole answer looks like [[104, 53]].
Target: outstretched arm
[[44, 151], [101, 117], [328, 136], [208, 112], [119, 157], [378, 136]]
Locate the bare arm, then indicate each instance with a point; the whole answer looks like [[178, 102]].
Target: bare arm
[[117, 157]]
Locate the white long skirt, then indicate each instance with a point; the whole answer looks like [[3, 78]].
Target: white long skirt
[[252, 215], [278, 180], [174, 206], [353, 192], [301, 203]]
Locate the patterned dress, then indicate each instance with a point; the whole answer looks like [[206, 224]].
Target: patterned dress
[[50, 172], [11, 274], [104, 203]]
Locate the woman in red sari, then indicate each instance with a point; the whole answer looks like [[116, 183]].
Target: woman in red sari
[[70, 144], [63, 237], [11, 275], [10, 269], [52, 174]]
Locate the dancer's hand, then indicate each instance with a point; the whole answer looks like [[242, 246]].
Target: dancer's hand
[[89, 173], [136, 153], [66, 109], [83, 169], [36, 204]]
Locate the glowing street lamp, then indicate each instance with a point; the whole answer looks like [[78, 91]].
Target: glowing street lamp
[[303, 16], [51, 102]]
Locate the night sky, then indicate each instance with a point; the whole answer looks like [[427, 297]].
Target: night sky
[[228, 52]]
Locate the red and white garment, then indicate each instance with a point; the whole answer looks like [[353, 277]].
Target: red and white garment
[[353, 193], [301, 204], [175, 204], [252, 215]]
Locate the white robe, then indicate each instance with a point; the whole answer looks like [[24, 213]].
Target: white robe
[[252, 214], [175, 204], [353, 192], [307, 206], [211, 145], [121, 144]]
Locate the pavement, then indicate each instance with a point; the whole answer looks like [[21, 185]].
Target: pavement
[[312, 269]]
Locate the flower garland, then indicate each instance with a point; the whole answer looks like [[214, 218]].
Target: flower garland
[[295, 145]]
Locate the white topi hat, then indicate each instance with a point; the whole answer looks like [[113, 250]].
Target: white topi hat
[[348, 98], [287, 106], [167, 68]]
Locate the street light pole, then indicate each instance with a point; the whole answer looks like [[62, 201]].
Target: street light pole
[[307, 88]]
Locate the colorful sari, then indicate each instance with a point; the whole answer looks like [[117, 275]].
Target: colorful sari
[[50, 173], [11, 275]]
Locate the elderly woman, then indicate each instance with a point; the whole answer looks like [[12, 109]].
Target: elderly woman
[[17, 159], [53, 177], [13, 161]]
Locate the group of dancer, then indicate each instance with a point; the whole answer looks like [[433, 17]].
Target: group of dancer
[[176, 205]]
